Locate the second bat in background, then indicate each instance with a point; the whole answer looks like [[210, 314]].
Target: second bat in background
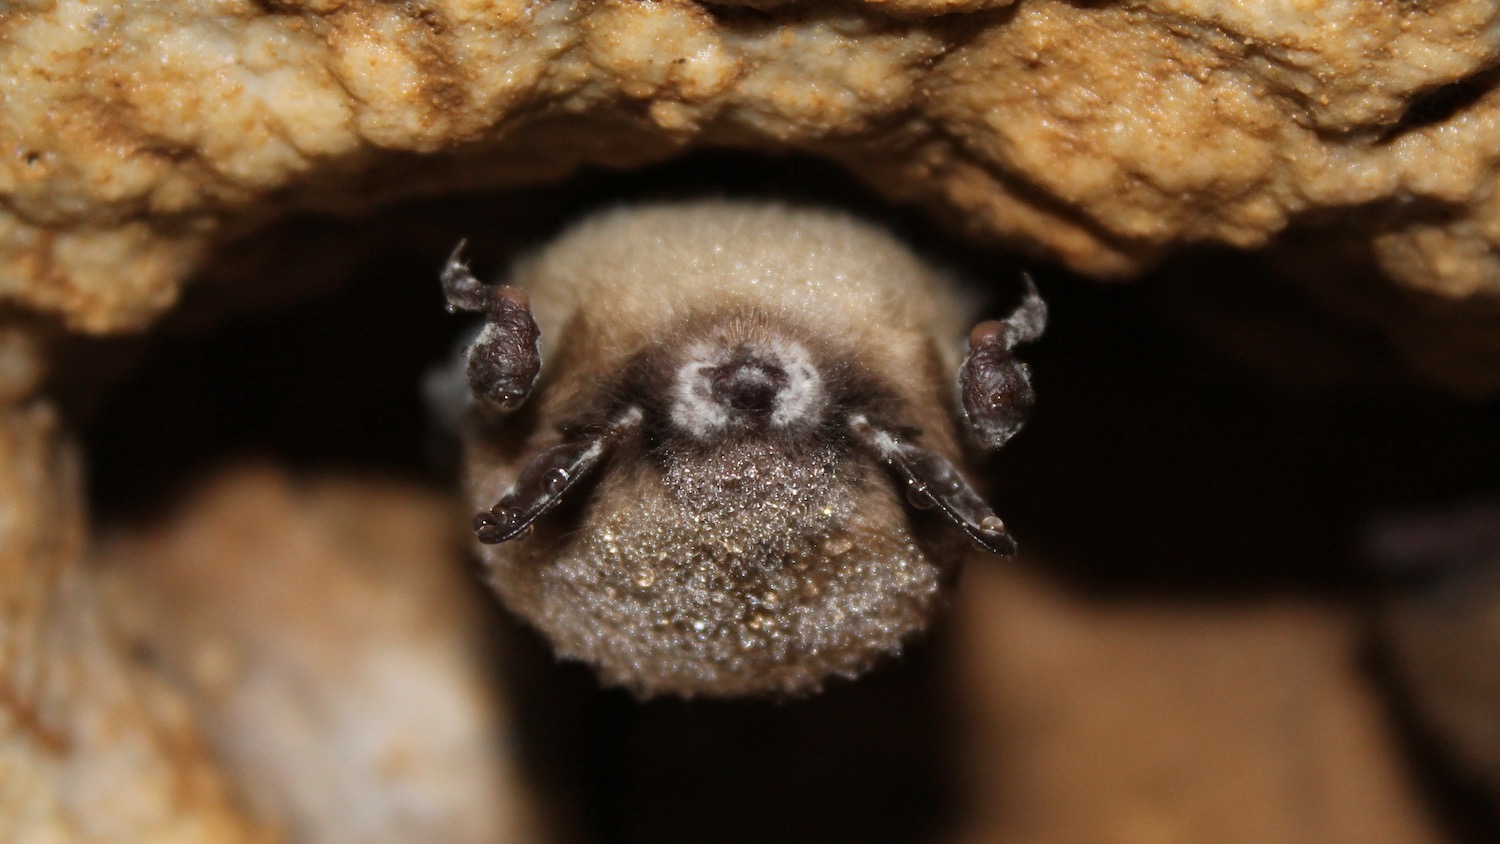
[[740, 469]]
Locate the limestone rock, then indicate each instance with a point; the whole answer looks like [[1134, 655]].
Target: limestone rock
[[91, 747], [137, 136], [326, 641], [1173, 721]]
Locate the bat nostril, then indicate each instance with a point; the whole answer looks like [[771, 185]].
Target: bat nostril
[[748, 386], [732, 387]]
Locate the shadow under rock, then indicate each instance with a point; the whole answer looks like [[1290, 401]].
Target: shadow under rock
[[1154, 464], [869, 761]]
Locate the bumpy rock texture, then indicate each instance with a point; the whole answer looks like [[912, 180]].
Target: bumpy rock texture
[[137, 135]]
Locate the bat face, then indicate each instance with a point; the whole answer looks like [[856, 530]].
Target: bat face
[[738, 542], [736, 474]]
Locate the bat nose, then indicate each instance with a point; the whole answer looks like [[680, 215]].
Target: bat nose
[[748, 385]]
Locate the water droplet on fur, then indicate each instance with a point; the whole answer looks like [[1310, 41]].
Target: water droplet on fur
[[554, 481], [644, 578], [717, 597], [992, 524], [700, 625], [917, 494], [772, 599], [837, 545], [761, 620]]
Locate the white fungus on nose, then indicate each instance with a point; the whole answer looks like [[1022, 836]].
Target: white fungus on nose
[[704, 415]]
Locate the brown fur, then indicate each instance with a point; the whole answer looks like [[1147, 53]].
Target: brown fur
[[761, 564]]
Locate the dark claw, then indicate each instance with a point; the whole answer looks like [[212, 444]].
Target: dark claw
[[549, 476], [994, 388], [487, 528], [506, 357]]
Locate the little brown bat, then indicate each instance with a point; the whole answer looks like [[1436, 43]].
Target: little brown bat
[[739, 471]]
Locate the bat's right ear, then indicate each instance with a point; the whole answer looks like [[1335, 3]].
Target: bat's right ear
[[506, 358]]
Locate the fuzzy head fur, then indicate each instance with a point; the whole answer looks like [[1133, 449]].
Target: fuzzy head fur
[[736, 539]]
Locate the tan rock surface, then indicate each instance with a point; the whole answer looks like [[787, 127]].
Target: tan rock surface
[[91, 749], [1156, 722], [136, 135], [328, 644]]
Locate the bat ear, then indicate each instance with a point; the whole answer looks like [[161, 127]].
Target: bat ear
[[932, 481], [548, 478], [994, 389], [505, 359]]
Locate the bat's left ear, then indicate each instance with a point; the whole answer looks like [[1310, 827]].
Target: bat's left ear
[[994, 388], [932, 481]]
